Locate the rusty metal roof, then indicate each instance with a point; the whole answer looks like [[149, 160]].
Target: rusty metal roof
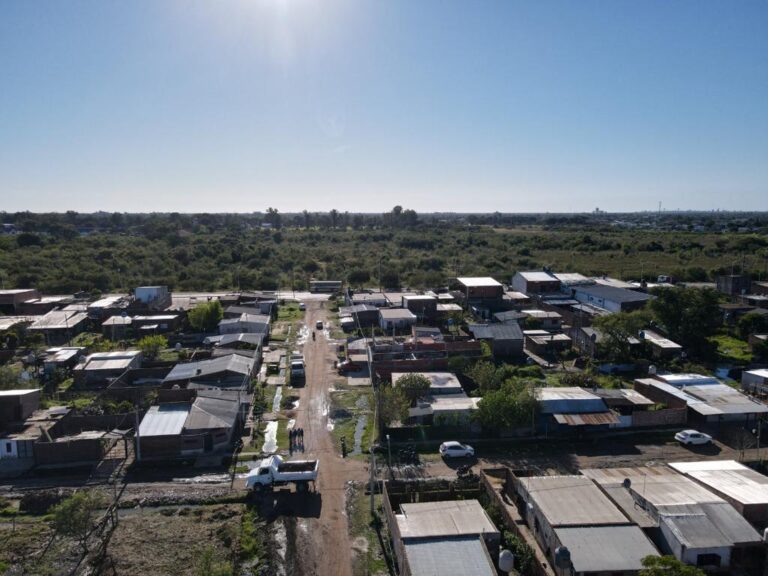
[[594, 419]]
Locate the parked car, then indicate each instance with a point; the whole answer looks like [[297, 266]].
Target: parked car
[[319, 325], [453, 449], [348, 366], [302, 306], [692, 437]]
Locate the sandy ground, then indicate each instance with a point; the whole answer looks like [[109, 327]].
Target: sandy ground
[[322, 543]]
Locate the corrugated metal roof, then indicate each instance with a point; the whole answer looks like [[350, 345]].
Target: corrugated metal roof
[[507, 331], [445, 518], [164, 420], [728, 478], [569, 400], [597, 419], [209, 413], [205, 368], [695, 531], [449, 557], [59, 319], [571, 501], [613, 294], [606, 548]]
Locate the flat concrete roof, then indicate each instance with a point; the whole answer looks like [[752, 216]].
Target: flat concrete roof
[[478, 281]]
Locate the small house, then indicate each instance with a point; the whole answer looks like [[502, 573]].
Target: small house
[[536, 283], [505, 340], [610, 298], [100, 368], [59, 326], [398, 319]]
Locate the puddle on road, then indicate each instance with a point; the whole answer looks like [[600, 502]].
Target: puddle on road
[[359, 431], [270, 438], [277, 400], [203, 479], [280, 536], [302, 335]]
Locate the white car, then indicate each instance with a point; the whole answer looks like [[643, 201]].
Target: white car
[[302, 306], [455, 449], [689, 437]]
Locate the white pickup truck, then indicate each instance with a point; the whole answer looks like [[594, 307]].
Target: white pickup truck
[[274, 471]]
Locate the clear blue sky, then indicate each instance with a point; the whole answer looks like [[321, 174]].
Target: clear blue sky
[[359, 105]]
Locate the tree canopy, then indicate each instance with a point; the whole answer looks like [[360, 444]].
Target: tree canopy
[[414, 387], [206, 316], [689, 316], [511, 406], [151, 346], [76, 516], [619, 329], [394, 405]]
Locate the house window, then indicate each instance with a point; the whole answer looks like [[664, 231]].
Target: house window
[[708, 560], [8, 447]]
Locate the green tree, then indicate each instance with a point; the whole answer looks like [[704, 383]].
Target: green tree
[[511, 406], [667, 566], [690, 316], [486, 376], [752, 323], [618, 330], [414, 387], [206, 316], [151, 346], [76, 516], [9, 378], [273, 217], [394, 405]]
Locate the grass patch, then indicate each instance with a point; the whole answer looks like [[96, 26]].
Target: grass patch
[[347, 405], [730, 349], [370, 558], [289, 313], [282, 434]]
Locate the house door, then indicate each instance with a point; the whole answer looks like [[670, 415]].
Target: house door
[[208, 443]]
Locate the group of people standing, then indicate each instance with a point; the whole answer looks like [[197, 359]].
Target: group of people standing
[[296, 440]]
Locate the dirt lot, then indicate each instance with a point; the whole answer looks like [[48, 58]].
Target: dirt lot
[[174, 540]]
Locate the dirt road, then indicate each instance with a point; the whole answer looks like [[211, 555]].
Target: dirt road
[[322, 543]]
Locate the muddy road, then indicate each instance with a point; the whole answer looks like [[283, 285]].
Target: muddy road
[[321, 535]]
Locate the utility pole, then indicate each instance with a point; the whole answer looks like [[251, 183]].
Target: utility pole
[[373, 481], [138, 436]]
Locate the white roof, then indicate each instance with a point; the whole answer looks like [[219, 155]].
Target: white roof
[[478, 281], [396, 313], [20, 392], [659, 340], [729, 478], [538, 276], [445, 518], [164, 420], [762, 372], [687, 379]]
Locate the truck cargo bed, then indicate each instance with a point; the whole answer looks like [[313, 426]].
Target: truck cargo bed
[[297, 466]]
